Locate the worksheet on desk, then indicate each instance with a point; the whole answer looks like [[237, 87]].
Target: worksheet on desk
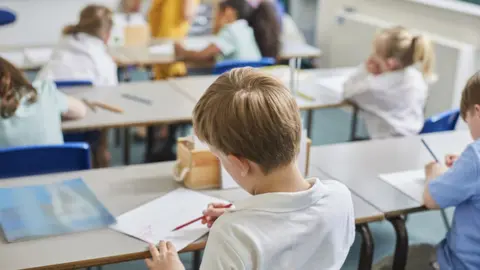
[[412, 183], [156, 220]]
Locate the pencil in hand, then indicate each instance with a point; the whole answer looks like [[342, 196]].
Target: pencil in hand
[[197, 219], [108, 107]]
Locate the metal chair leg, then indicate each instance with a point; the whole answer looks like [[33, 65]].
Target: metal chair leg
[[401, 247], [197, 259], [354, 123], [366, 250]]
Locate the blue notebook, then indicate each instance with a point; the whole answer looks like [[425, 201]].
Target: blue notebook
[[37, 211]]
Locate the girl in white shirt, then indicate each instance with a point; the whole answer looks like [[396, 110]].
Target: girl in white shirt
[[82, 53], [388, 88]]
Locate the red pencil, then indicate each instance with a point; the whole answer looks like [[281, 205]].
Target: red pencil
[[195, 220]]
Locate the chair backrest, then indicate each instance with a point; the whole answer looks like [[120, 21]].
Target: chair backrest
[[72, 83], [444, 121], [7, 17], [227, 65], [42, 159]]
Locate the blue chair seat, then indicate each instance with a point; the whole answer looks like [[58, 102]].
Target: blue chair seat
[[42, 159], [224, 66], [7, 17]]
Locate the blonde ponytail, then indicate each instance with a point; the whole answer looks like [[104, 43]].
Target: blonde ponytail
[[70, 29], [423, 53], [95, 20]]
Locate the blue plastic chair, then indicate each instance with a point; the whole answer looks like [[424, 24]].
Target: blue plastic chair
[[7, 17], [444, 121], [76, 137], [42, 159], [227, 65]]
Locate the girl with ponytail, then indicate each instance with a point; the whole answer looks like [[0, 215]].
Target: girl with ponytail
[[391, 88]]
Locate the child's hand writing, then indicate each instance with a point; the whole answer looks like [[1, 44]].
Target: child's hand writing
[[450, 159], [213, 211], [165, 257], [434, 169]]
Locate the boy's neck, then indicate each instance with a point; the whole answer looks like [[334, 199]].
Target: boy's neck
[[285, 179]]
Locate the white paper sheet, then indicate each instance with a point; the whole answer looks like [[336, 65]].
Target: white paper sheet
[[196, 44], [333, 83], [412, 183], [155, 221], [38, 55], [165, 49], [17, 58]]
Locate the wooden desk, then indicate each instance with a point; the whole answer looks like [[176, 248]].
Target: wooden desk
[[194, 87], [120, 189], [168, 106], [141, 55]]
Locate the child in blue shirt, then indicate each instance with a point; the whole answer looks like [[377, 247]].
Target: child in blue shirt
[[459, 186]]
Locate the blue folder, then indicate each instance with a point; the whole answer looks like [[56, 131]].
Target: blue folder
[[44, 210]]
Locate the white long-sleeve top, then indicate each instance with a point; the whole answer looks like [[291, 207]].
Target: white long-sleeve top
[[391, 103], [81, 57]]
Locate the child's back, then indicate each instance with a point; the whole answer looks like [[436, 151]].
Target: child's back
[[82, 53], [313, 229]]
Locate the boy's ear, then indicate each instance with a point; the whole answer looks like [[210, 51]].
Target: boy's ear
[[476, 110], [240, 164]]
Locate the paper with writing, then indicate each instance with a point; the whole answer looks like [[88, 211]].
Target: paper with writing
[[155, 221]]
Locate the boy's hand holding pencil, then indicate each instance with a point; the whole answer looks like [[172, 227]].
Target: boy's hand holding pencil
[[213, 211]]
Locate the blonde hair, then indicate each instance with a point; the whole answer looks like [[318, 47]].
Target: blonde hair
[[398, 43], [95, 20], [249, 114]]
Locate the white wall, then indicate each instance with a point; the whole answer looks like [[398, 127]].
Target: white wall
[[41, 21], [450, 24]]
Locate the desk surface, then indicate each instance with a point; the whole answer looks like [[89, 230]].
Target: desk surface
[[195, 86], [359, 164], [168, 106], [141, 55], [120, 189]]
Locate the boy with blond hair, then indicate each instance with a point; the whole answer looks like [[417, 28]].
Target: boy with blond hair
[[459, 186], [252, 124]]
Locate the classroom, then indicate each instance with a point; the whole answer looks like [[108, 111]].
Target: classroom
[[239, 134]]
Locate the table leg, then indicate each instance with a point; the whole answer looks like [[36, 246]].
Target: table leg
[[366, 250], [354, 123], [151, 75], [309, 123], [126, 146], [150, 141], [401, 247], [197, 259], [291, 64]]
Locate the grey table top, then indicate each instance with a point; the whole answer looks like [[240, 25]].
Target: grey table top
[[359, 164], [195, 86], [120, 189], [167, 106]]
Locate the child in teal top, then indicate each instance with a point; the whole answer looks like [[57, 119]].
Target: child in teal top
[[242, 33], [31, 113]]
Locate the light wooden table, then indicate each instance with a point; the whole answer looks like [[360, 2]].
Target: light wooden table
[[120, 189], [359, 164], [141, 55], [167, 106], [195, 86]]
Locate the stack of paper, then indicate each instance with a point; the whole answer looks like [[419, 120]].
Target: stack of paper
[[412, 183], [38, 55], [156, 220]]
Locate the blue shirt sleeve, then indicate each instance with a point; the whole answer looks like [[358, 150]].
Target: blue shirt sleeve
[[225, 41], [48, 91], [459, 183]]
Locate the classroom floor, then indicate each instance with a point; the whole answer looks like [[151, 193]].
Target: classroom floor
[[329, 126]]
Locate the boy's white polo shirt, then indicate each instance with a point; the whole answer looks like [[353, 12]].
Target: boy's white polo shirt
[[312, 229]]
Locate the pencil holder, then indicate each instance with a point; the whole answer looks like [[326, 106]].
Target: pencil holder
[[200, 169]]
